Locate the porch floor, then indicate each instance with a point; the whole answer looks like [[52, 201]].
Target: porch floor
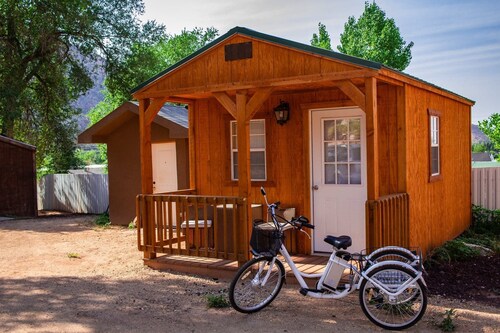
[[225, 269]]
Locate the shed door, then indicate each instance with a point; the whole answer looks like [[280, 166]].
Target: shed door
[[164, 167], [339, 188]]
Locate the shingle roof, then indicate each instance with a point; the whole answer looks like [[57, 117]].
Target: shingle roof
[[176, 114]]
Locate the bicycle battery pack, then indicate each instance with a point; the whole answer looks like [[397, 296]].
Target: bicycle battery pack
[[334, 273]]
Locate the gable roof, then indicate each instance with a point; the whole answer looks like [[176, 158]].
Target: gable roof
[[174, 118], [293, 45], [16, 143]]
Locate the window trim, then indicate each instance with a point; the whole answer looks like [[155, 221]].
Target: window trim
[[435, 114], [233, 150]]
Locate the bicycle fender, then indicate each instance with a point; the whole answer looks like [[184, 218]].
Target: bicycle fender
[[385, 248]]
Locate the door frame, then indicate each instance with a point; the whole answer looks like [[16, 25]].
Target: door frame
[[310, 108]]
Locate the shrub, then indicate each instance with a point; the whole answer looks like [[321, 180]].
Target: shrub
[[454, 250], [103, 220], [217, 301], [485, 221]]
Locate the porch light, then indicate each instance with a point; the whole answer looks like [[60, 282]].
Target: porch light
[[282, 112]]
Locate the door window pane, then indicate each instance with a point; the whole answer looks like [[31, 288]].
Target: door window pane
[[330, 174], [342, 151]]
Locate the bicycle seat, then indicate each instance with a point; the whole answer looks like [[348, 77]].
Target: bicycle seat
[[341, 242]]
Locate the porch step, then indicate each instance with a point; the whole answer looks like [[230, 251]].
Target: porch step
[[225, 269]]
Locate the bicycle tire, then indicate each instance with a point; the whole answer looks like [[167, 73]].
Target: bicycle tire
[[397, 314], [396, 255], [246, 293]]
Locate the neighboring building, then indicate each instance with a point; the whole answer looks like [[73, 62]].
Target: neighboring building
[[17, 178], [482, 157], [368, 151], [120, 131]]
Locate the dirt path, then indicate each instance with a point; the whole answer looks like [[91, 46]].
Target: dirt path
[[108, 289]]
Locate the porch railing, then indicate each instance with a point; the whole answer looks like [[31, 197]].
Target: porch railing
[[201, 226], [388, 220]]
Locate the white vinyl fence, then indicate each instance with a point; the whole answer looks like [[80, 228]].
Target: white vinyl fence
[[75, 193], [486, 187]]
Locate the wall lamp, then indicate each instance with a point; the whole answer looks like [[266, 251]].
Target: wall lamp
[[282, 112]]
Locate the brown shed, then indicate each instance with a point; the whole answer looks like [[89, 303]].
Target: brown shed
[[367, 151], [17, 178], [120, 131]]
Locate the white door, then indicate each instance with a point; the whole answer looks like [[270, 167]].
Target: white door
[[339, 176], [164, 167]]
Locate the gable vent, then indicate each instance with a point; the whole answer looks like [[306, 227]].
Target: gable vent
[[238, 51]]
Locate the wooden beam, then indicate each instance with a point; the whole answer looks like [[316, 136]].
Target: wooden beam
[[153, 109], [401, 115], [192, 145], [256, 101], [243, 130], [353, 92], [226, 102], [275, 82], [372, 138]]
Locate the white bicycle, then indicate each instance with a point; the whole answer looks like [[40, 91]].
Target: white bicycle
[[392, 291]]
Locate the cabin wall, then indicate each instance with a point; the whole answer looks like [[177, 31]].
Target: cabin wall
[[124, 167], [287, 149], [439, 210]]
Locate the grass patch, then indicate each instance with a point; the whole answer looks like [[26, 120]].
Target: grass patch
[[217, 301], [73, 255], [447, 324], [103, 220]]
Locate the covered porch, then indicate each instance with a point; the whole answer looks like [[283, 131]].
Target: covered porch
[[241, 77]]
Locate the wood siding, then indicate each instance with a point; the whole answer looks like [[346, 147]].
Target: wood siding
[[17, 179], [439, 210]]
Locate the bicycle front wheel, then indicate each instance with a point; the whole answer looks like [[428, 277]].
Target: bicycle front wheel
[[393, 312], [256, 284]]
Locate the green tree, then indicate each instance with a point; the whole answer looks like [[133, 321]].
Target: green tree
[[322, 39], [44, 48], [491, 127], [375, 37], [143, 62]]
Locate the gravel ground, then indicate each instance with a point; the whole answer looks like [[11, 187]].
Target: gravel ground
[[62, 274]]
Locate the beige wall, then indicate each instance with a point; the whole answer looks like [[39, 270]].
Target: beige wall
[[125, 169]]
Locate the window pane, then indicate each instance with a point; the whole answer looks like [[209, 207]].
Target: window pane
[[257, 127], [233, 127], [235, 165], [354, 152], [341, 129], [258, 172], [355, 171], [257, 158], [258, 141], [329, 152], [329, 173], [329, 127], [342, 153], [342, 175], [434, 160], [354, 129], [234, 140]]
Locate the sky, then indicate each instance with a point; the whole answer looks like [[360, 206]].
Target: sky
[[457, 43]]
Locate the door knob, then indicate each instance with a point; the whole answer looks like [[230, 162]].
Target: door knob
[[315, 187]]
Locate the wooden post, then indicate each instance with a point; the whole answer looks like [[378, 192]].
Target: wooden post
[[192, 145], [146, 155], [372, 138], [401, 114]]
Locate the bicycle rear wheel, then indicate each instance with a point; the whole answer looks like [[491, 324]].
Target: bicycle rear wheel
[[256, 284], [398, 312]]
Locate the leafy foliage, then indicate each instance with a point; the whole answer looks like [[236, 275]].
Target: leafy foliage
[[375, 37], [217, 301], [485, 221], [43, 50], [447, 324], [491, 127], [103, 220], [322, 39], [144, 61]]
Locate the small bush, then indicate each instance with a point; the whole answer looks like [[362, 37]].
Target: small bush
[[73, 255], [454, 250], [485, 221], [447, 324], [103, 220], [217, 301]]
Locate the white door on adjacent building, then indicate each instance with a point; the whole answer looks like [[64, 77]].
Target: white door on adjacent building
[[164, 167], [339, 188]]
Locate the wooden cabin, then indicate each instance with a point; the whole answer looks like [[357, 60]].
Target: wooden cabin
[[119, 130], [17, 178], [367, 150]]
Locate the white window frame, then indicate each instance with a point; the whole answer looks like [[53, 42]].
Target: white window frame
[[434, 142], [234, 138]]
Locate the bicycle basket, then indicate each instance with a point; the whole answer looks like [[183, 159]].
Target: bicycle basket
[[265, 240]]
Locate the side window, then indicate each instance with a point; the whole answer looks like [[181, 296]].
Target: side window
[[434, 145], [257, 150]]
